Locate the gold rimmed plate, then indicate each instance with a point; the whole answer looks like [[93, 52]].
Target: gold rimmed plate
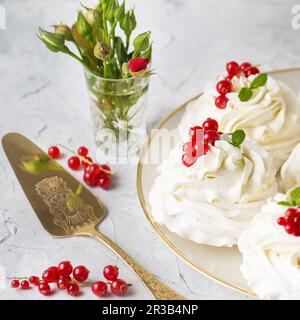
[[219, 264]]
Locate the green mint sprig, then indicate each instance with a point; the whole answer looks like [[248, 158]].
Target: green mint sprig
[[294, 199], [245, 93], [237, 138]]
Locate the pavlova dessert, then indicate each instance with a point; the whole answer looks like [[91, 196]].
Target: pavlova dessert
[[209, 191], [271, 249], [266, 109], [290, 171]]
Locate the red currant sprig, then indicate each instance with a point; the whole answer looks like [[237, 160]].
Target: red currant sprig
[[61, 275], [291, 221], [225, 86], [201, 138]]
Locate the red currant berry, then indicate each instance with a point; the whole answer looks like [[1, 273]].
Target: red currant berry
[[15, 283], [54, 152], [93, 169], [119, 287], [224, 86], [188, 160], [251, 71], [221, 102], [201, 149], [74, 163], [188, 147], [290, 229], [210, 124], [211, 137], [65, 268], [25, 285], [104, 181], [196, 134], [86, 163], [105, 167], [111, 273], [228, 78], [281, 221], [34, 280], [83, 151], [63, 282], [245, 65], [50, 275], [290, 213], [232, 68], [90, 179], [44, 288], [100, 289], [73, 289], [81, 273]]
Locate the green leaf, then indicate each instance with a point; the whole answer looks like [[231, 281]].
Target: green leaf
[[142, 42], [121, 51], [295, 196], [238, 137], [83, 27], [245, 94], [285, 204], [259, 81]]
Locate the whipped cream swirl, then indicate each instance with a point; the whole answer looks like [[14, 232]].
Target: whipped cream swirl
[[271, 257], [290, 171], [271, 117], [213, 201]]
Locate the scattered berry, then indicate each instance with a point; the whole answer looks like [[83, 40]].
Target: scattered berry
[[100, 289], [15, 283], [63, 282], [34, 280], [54, 152], [25, 285], [111, 273], [44, 288], [119, 287], [251, 71], [83, 151], [221, 102], [90, 179], [73, 289], [104, 181], [233, 68], [81, 273], [65, 268], [224, 86], [74, 163], [50, 275], [87, 162]]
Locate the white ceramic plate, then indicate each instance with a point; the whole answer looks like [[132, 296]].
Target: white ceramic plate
[[220, 264]]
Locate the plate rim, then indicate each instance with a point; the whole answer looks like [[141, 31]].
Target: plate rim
[[148, 214]]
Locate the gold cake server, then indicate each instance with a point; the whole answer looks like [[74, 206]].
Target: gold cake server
[[65, 207]]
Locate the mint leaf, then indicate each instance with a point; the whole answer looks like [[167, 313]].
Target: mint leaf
[[295, 196], [285, 203], [245, 94], [259, 81], [238, 138]]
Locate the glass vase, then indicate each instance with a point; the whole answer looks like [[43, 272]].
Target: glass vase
[[118, 110]]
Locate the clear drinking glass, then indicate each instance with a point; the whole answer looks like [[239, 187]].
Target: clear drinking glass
[[118, 109]]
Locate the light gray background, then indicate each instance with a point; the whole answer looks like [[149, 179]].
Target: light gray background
[[43, 96]]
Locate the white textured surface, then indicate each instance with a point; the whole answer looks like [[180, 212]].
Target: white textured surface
[[43, 96]]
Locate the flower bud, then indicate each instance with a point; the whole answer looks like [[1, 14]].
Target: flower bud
[[53, 41], [119, 12], [101, 50], [136, 65], [64, 31], [92, 16]]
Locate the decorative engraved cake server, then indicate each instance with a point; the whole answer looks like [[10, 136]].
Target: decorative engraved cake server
[[64, 207]]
